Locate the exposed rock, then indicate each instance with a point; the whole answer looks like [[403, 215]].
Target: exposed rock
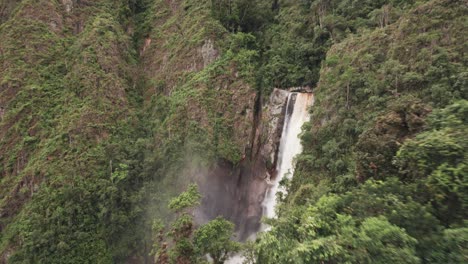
[[68, 5], [209, 53], [301, 89], [53, 25], [272, 123], [145, 45], [236, 191], [6, 255]]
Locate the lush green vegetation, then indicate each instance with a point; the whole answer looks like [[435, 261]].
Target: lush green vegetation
[[109, 108], [65, 194], [190, 244], [385, 153]]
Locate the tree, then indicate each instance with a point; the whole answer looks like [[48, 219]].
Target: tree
[[378, 241], [243, 15], [214, 239], [183, 243], [185, 200], [437, 157], [249, 253], [180, 231], [452, 247]]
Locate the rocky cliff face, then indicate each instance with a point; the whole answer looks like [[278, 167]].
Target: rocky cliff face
[[271, 126], [237, 191], [131, 103], [182, 61]]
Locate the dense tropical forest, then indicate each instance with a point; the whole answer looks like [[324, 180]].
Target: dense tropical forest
[[112, 110]]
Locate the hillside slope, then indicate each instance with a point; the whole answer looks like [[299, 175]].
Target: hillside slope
[[108, 109], [96, 134], [385, 152], [64, 81]]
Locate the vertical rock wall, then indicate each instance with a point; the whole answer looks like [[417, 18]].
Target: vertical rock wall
[[236, 192]]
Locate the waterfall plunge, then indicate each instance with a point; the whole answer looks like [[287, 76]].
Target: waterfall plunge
[[296, 115], [290, 146]]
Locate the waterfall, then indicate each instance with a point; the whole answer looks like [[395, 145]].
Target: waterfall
[[290, 146], [296, 115]]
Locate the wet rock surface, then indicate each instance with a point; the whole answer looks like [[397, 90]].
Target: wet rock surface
[[236, 191]]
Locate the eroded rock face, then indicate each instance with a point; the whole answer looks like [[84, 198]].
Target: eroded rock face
[[236, 191], [68, 4], [272, 124], [209, 53]]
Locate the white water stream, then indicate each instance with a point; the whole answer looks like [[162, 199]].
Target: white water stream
[[290, 146]]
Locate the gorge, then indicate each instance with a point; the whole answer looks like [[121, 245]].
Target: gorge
[[296, 115], [150, 131], [246, 193]]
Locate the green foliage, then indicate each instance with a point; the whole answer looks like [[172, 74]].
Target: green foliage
[[190, 245], [214, 238], [377, 146], [187, 199], [451, 248], [180, 232], [382, 243], [120, 173], [63, 90], [296, 42], [439, 157], [374, 75], [242, 15], [204, 93], [105, 107], [324, 236], [377, 164]]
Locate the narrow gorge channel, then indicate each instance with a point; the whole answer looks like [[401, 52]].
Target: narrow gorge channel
[[296, 113]]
